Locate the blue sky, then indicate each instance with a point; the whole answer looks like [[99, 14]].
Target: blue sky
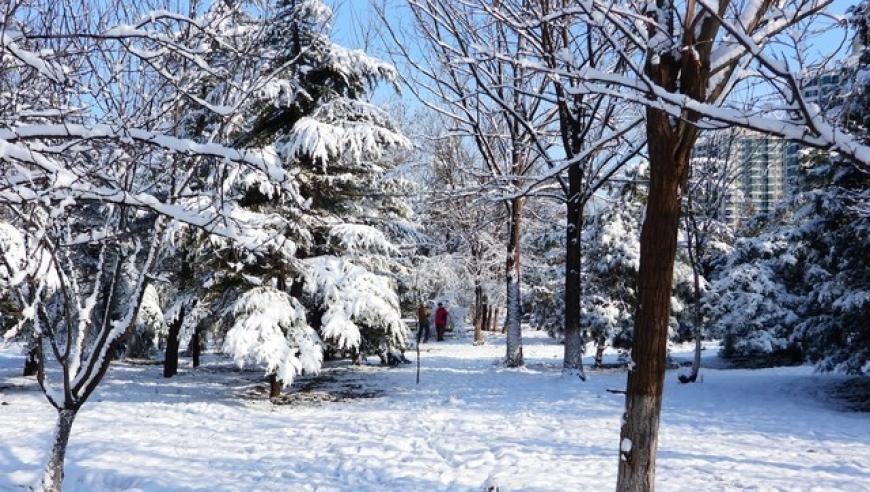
[[353, 17]]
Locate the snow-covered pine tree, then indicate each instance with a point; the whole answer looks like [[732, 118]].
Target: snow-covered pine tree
[[612, 249], [749, 303], [612, 238], [358, 310], [544, 272], [268, 328], [307, 99]]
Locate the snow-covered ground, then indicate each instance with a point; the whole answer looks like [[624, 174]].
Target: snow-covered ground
[[468, 422]]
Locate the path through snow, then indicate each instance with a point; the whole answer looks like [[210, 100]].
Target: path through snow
[[469, 422]]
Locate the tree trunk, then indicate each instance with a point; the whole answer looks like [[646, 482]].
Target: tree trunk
[[195, 347], [170, 359], [669, 151], [31, 363], [493, 318], [479, 323], [478, 298], [274, 386], [485, 312], [514, 343], [52, 477], [575, 343], [601, 344], [696, 362], [479, 313], [478, 332]]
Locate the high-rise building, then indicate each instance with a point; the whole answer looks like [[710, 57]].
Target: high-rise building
[[756, 164], [761, 161]]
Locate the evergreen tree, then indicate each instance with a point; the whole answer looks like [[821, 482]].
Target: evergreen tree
[[832, 222], [306, 101]]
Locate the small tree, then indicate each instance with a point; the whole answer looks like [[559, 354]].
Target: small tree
[[707, 233]]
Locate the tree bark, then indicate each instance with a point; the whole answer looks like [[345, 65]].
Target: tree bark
[[669, 151], [170, 359], [575, 343], [479, 321], [493, 318], [274, 386], [31, 363], [514, 343], [486, 313], [52, 477]]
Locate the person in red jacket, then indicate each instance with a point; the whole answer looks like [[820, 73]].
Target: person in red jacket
[[441, 321]]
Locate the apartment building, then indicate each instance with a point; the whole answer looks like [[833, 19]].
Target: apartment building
[[756, 164]]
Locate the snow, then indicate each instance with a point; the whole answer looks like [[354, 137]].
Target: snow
[[470, 422]]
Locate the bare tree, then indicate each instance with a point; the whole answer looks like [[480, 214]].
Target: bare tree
[[597, 132], [493, 104]]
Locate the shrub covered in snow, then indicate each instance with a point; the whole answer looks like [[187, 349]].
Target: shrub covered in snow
[[269, 329]]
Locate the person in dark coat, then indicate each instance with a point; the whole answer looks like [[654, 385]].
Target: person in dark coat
[[441, 315], [423, 323]]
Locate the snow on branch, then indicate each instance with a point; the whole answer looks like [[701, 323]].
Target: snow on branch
[[264, 160], [342, 128], [50, 70], [360, 238], [361, 308]]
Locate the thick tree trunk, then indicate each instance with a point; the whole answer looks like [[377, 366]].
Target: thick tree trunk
[[478, 298], [31, 363], [669, 160], [170, 359], [274, 386], [514, 343], [52, 477], [575, 343]]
